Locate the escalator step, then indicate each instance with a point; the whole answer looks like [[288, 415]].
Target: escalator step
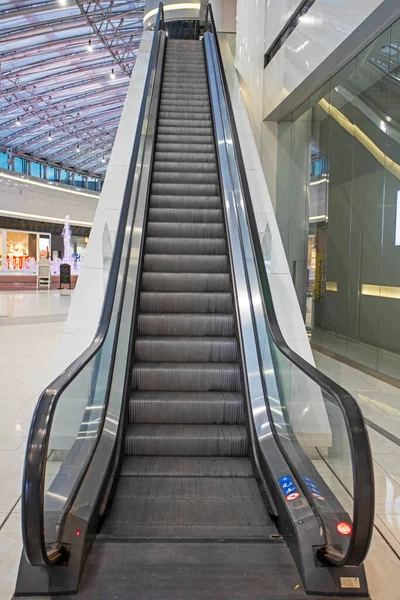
[[198, 141], [170, 118], [187, 407], [186, 466], [185, 282], [186, 488], [186, 440], [184, 177], [168, 166], [185, 302], [188, 246], [191, 107], [207, 202], [189, 96], [199, 377], [197, 230], [188, 519], [186, 263], [185, 215], [186, 325], [188, 147], [192, 157], [185, 131], [186, 349]]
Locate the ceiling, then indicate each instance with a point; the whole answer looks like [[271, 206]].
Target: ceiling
[[58, 100]]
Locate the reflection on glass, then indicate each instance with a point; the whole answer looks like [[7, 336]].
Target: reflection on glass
[[347, 192]]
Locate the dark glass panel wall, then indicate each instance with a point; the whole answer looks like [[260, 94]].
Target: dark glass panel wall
[[338, 207]]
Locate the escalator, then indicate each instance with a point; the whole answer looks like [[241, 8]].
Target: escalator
[[186, 471], [166, 462]]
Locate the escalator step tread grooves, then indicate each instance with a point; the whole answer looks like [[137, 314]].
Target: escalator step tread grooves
[[186, 471]]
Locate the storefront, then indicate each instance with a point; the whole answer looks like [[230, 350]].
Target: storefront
[[20, 250], [24, 243]]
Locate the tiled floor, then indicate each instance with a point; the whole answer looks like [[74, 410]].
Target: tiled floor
[[31, 326], [380, 403]]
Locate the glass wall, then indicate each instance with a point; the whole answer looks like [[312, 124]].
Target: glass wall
[[339, 208], [28, 167]]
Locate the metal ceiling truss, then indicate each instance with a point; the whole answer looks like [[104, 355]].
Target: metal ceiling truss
[[52, 84]]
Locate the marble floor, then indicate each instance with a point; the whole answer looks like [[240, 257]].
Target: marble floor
[[31, 325], [380, 403]]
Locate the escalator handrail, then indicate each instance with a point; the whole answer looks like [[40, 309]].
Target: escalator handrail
[[33, 484], [363, 478]]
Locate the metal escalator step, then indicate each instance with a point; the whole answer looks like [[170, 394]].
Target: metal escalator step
[[187, 157], [186, 263], [186, 349], [166, 229], [186, 488], [185, 130], [185, 302], [185, 215], [170, 110], [181, 377], [186, 440], [187, 407], [186, 178], [161, 201], [189, 122], [172, 84], [189, 96], [185, 147], [186, 325], [186, 466], [186, 282], [181, 66], [199, 141], [123, 525], [193, 69], [198, 76], [169, 166], [159, 245], [198, 107]]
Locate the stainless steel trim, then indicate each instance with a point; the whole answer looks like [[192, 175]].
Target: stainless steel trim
[[249, 309]]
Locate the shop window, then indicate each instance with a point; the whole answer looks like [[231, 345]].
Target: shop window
[[21, 250]]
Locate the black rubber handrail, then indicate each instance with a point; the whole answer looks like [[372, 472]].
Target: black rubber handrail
[[363, 475], [33, 485]]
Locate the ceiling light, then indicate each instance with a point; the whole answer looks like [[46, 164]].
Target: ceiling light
[[18, 121], [112, 74], [63, 2], [103, 159], [78, 148], [49, 136], [89, 46]]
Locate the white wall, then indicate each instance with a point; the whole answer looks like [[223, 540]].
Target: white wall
[[22, 195], [277, 14], [325, 26], [225, 15]]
